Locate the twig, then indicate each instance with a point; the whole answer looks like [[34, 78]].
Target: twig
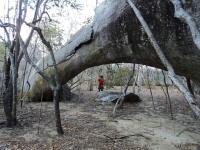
[[149, 85], [168, 96]]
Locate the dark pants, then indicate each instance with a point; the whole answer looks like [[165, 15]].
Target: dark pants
[[100, 88]]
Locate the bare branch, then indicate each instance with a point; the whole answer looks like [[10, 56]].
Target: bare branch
[[28, 59], [38, 4], [25, 9], [21, 54], [7, 35], [41, 16], [6, 25]]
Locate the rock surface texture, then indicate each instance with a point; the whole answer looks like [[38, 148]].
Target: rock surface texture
[[116, 36]]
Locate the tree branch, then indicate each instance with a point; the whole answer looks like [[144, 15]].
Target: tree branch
[[28, 59], [7, 35], [5, 25], [49, 47], [38, 20], [38, 4]]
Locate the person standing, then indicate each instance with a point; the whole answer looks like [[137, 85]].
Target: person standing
[[100, 83]]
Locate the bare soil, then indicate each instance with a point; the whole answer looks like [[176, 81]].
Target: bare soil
[[88, 125]]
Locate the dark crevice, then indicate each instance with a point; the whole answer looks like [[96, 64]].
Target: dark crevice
[[85, 42], [76, 48]]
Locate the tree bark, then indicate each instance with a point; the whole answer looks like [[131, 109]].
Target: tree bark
[[14, 72], [7, 95], [7, 102], [56, 99]]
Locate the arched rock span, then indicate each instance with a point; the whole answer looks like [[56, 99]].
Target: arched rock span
[[116, 36]]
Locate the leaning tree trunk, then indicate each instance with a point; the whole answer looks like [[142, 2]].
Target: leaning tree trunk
[[120, 100]]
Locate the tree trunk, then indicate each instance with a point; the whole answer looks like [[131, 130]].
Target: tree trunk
[[7, 103], [168, 96], [14, 96], [56, 99], [121, 98], [13, 59], [149, 86], [7, 95]]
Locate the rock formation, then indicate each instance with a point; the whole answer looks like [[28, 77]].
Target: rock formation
[[116, 36]]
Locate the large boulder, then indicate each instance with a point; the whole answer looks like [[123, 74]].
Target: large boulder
[[110, 96], [116, 36]]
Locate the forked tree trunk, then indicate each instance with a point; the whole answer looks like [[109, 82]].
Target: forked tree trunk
[[14, 61], [189, 97]]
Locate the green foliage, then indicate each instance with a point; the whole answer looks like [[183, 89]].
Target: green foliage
[[117, 76], [121, 75], [53, 34]]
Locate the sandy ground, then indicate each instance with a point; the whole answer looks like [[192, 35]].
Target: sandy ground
[[88, 125]]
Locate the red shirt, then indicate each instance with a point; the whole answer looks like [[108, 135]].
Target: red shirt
[[100, 82]]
